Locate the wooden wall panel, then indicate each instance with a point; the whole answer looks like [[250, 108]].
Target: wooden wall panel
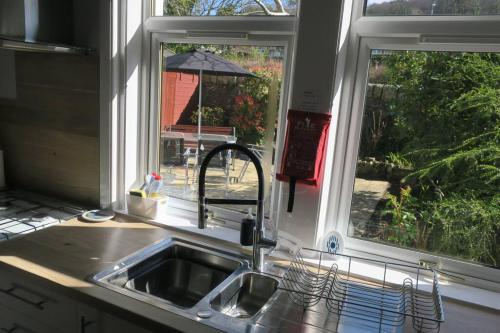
[[52, 162], [71, 72], [50, 133], [177, 92]]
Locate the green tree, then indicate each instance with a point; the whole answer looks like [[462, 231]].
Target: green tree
[[229, 7], [444, 122], [178, 7], [448, 116]]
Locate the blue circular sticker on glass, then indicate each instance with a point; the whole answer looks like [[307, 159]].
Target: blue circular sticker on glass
[[334, 242]]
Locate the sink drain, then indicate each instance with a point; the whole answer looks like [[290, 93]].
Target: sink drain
[[204, 314]]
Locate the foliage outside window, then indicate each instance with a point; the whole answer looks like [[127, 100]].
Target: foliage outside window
[[428, 174], [229, 7]]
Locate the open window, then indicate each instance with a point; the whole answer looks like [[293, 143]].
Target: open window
[[211, 84]]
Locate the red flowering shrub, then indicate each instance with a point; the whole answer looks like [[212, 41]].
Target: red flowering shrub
[[247, 119]]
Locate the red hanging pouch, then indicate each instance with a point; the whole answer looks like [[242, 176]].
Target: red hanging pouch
[[305, 144]]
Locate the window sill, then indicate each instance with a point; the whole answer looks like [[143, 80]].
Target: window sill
[[449, 290], [467, 293], [188, 222], [191, 225]]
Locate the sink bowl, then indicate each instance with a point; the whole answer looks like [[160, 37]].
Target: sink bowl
[[245, 295], [179, 274], [211, 287]]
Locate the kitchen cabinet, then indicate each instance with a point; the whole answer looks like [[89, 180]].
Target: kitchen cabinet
[[28, 305], [36, 302], [110, 323], [88, 319], [16, 322]]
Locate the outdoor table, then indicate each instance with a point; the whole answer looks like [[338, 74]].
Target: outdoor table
[[191, 142], [193, 137]]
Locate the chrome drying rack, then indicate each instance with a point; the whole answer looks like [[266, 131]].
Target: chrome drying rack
[[394, 292]]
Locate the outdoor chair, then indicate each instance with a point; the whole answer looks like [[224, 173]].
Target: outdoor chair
[[173, 151], [258, 151]]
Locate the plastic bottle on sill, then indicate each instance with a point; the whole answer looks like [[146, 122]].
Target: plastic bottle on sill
[[154, 187]]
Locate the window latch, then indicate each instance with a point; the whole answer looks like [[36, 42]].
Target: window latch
[[432, 265]]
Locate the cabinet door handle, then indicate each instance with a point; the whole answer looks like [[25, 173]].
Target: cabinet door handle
[[16, 328], [84, 323], [11, 292], [10, 330]]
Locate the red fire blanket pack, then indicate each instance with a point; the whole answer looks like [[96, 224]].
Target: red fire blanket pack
[[305, 145]]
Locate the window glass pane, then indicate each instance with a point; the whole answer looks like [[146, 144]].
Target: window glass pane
[[428, 170], [431, 7], [225, 7], [240, 94]]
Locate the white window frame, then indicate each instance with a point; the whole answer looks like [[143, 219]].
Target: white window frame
[[426, 33], [238, 30]]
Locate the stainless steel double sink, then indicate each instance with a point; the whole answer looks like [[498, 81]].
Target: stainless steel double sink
[[192, 280]]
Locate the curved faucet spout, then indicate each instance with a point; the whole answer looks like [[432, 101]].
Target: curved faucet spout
[[258, 231]]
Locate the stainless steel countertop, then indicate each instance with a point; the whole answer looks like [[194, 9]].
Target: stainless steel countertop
[[70, 253]]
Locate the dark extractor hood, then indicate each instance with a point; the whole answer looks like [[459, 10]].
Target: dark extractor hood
[[38, 26]]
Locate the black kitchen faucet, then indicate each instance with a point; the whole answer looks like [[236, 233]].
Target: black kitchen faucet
[[259, 240]]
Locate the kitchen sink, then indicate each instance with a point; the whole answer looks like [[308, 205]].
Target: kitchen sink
[[180, 274], [211, 286], [245, 296]]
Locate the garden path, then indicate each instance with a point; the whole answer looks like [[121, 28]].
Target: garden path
[[367, 195]]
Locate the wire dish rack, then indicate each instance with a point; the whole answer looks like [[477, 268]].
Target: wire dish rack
[[393, 294]]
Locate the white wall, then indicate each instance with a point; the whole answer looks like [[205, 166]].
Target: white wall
[[313, 77]]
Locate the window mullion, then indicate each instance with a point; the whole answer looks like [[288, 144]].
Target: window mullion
[[416, 26], [354, 113]]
